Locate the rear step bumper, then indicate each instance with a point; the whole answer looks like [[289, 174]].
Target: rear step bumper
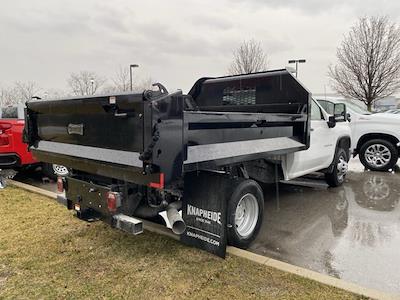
[[128, 224], [120, 221]]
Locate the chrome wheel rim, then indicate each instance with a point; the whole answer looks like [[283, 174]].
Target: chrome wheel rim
[[246, 215], [60, 170], [342, 167], [378, 155]]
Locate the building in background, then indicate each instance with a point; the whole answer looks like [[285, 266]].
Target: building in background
[[387, 103], [391, 102]]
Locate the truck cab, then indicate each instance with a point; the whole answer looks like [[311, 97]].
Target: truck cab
[[330, 138]]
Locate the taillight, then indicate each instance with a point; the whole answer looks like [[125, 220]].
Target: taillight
[[4, 127], [160, 184], [4, 139], [60, 185], [113, 201]]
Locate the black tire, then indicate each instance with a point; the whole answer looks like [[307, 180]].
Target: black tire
[[336, 177], [244, 189], [47, 170], [385, 167]]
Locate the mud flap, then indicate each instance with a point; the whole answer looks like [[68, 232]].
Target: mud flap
[[204, 211]]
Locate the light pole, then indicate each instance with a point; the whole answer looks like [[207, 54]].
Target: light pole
[[130, 73], [297, 62], [92, 86]]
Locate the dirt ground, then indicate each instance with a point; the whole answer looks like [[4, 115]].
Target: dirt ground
[[45, 252]]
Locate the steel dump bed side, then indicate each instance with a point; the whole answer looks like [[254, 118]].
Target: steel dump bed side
[[153, 138]]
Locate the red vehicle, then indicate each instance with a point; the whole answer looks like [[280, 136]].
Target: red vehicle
[[13, 151]]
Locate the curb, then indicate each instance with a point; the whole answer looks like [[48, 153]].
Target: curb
[[285, 267], [312, 275]]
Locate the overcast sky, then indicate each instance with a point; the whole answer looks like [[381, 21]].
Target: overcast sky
[[174, 42]]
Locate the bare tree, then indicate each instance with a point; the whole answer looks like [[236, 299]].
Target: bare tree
[[85, 83], [26, 90], [248, 58], [122, 79], [121, 83], [54, 93], [145, 84], [8, 96], [20, 92], [368, 65]]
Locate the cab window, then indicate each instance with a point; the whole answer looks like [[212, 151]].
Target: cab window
[[9, 112], [328, 106], [316, 113]]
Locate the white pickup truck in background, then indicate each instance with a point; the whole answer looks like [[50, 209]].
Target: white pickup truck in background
[[375, 137]]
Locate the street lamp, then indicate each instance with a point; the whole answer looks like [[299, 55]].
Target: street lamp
[[130, 73], [297, 62], [92, 86]]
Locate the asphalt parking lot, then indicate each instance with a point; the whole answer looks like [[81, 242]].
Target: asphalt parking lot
[[351, 232]]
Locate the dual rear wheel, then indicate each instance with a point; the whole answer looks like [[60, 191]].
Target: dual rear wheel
[[246, 204], [245, 213]]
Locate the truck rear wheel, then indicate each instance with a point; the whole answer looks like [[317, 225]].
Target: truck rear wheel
[[53, 171], [378, 155], [245, 213], [337, 176], [60, 170], [47, 170]]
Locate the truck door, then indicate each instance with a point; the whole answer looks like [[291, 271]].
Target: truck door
[[322, 146]]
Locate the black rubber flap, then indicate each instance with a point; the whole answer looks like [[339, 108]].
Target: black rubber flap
[[204, 211]]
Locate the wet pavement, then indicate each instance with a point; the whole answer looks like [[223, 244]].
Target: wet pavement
[[36, 178], [351, 232]]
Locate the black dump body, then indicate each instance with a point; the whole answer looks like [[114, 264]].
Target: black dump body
[[154, 138]]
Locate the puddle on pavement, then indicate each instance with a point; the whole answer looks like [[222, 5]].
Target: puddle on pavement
[[36, 178], [351, 232]]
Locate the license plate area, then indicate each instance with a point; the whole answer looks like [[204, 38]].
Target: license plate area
[[87, 196]]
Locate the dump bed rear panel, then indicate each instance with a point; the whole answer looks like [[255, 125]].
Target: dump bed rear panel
[[93, 122], [132, 137]]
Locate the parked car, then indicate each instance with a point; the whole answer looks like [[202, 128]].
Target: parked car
[[139, 154], [375, 137], [14, 152], [392, 111]]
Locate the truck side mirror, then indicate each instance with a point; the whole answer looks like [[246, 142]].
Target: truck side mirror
[[331, 121], [348, 117], [340, 112]]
